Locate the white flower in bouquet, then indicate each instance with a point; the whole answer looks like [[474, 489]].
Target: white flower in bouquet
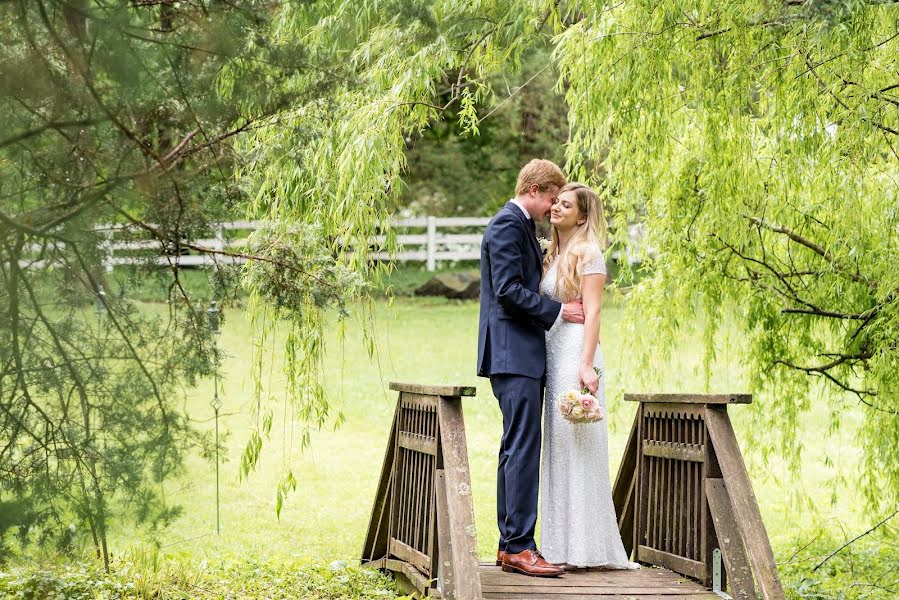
[[581, 406]]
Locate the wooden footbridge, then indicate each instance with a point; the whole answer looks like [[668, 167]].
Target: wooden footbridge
[[685, 507]]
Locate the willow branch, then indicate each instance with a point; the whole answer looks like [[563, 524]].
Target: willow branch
[[852, 541], [822, 313], [841, 102], [813, 246]]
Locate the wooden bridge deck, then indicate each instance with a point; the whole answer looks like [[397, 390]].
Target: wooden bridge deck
[[648, 583]]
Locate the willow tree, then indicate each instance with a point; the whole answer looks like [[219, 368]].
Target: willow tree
[[331, 168], [755, 142], [758, 143]]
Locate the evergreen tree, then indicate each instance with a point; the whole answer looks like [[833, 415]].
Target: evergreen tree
[[113, 116]]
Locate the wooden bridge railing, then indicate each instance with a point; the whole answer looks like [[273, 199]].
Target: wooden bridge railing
[[684, 499], [422, 523]]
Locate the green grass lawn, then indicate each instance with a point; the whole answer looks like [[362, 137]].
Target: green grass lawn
[[433, 341]]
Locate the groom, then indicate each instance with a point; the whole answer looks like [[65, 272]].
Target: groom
[[512, 353]]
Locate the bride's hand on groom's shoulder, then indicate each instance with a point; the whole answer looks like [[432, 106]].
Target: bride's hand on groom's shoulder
[[573, 312]]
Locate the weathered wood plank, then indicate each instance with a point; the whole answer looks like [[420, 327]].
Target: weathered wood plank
[[600, 596], [444, 569], [622, 588], [668, 504], [641, 500], [401, 502], [458, 499], [411, 573], [409, 554], [433, 390], [649, 576], [674, 450], [690, 398], [430, 543], [677, 502], [650, 514], [623, 494], [673, 410], [649, 582], [679, 564], [421, 401], [375, 545], [698, 504], [418, 496], [419, 443], [746, 508], [621, 581], [709, 540], [742, 587]]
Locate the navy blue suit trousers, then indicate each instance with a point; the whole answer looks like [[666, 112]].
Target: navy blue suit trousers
[[512, 353]]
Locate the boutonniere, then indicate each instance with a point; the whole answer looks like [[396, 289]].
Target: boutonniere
[[544, 244]]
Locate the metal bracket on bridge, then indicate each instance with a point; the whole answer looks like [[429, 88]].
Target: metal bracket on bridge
[[716, 574]]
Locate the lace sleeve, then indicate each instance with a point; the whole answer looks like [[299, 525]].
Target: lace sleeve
[[594, 262]]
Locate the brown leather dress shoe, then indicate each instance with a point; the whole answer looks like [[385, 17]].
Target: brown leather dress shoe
[[530, 562], [500, 555]]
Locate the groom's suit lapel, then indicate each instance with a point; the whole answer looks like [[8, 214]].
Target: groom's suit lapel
[[529, 232]]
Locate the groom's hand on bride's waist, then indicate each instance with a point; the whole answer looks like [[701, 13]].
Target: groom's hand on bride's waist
[[573, 312]]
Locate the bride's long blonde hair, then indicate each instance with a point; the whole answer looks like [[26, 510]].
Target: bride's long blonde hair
[[588, 240]]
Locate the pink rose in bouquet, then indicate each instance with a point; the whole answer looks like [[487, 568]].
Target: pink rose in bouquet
[[588, 402], [581, 406]]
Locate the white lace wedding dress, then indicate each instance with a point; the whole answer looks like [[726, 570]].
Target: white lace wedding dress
[[578, 522]]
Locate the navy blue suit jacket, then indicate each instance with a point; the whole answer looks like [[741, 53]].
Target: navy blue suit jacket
[[514, 316]]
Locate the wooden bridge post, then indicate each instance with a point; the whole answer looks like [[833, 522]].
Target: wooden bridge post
[[422, 525], [683, 491]]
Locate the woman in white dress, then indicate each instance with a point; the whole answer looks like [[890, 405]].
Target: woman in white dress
[[579, 527]]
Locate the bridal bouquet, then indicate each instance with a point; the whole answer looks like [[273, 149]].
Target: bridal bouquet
[[581, 406]]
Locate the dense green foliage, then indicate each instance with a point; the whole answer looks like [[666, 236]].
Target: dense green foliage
[[111, 115], [452, 172], [335, 162], [755, 141], [758, 143], [863, 569], [145, 579]]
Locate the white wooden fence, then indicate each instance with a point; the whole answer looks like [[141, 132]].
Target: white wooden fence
[[424, 239], [435, 245]]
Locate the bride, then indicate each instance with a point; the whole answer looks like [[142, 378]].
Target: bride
[[579, 528]]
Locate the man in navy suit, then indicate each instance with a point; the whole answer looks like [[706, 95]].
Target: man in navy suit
[[512, 353]]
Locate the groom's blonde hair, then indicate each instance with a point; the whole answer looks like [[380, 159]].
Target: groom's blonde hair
[[544, 173]]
